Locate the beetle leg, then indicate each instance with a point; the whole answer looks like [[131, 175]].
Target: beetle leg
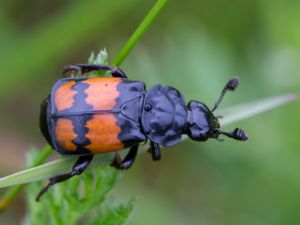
[[71, 69], [118, 72], [127, 162], [155, 150], [85, 68], [80, 165]]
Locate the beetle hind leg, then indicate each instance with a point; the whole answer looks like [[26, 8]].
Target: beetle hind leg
[[86, 68], [127, 162], [80, 165]]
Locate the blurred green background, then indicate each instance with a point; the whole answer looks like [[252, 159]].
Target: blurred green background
[[195, 46]]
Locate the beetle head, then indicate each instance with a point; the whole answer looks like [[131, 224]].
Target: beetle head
[[202, 124]]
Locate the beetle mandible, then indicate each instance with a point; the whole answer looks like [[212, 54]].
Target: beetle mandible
[[85, 116]]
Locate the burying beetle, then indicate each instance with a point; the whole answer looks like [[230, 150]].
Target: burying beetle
[[86, 115]]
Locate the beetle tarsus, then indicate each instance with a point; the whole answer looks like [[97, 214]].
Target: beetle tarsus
[[80, 165], [155, 151], [54, 180], [127, 162], [42, 191]]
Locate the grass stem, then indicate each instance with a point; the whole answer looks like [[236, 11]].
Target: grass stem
[[139, 32]]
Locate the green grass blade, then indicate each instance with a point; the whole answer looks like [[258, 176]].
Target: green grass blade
[[243, 111], [46, 170], [137, 35], [12, 192], [64, 164], [38, 172]]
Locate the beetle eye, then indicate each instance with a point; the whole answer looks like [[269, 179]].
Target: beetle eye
[[147, 107]]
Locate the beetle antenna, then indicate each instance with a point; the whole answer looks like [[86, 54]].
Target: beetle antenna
[[237, 134], [230, 86]]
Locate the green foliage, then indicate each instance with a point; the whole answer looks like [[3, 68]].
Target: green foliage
[[115, 215], [100, 58], [81, 199]]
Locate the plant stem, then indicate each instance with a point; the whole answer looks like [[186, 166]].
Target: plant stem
[[140, 30]]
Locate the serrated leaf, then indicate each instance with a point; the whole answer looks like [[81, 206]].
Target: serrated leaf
[[72, 201], [91, 58], [101, 58], [116, 215]]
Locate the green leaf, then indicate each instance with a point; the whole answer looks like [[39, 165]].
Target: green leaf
[[101, 58], [116, 215], [64, 164], [91, 59], [82, 198]]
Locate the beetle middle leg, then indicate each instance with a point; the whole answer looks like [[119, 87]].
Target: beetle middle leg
[[80, 165], [85, 68], [155, 151], [127, 162]]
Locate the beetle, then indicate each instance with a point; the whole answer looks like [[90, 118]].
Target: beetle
[[86, 115]]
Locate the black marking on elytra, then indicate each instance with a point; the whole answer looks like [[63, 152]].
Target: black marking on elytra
[[129, 102], [80, 104], [79, 121]]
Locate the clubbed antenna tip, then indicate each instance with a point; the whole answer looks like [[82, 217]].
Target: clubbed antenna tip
[[233, 83], [230, 86], [237, 134]]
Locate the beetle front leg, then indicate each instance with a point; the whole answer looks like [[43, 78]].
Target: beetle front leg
[[80, 165], [127, 162], [86, 68], [155, 151]]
